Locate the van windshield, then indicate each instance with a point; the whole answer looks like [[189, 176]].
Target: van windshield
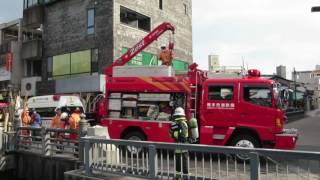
[[50, 111], [46, 112], [70, 109]]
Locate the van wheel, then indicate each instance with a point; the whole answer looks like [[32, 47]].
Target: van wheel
[[244, 141], [134, 136]]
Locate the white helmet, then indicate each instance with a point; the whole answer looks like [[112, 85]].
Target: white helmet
[[179, 111], [64, 115]]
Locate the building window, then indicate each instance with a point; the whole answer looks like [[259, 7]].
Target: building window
[[258, 95], [90, 21], [160, 4], [73, 64], [94, 60], [49, 67], [134, 19], [30, 3], [185, 9], [220, 92], [34, 68]]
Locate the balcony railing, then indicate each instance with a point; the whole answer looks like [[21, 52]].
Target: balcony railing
[[32, 49]]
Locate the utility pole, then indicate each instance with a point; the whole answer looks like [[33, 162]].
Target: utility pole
[[315, 9], [295, 87]]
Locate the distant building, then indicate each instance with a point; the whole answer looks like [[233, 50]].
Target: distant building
[[317, 67], [281, 71], [11, 65], [311, 80], [214, 63]]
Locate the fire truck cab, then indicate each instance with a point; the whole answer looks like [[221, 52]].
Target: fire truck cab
[[243, 112]]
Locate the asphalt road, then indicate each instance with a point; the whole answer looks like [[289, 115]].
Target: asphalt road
[[309, 131]]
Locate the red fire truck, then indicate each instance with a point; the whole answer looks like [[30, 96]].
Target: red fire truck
[[236, 112]]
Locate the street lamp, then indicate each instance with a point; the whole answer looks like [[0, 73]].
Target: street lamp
[[315, 9]]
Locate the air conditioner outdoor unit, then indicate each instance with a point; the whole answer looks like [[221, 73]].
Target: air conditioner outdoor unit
[[28, 86]]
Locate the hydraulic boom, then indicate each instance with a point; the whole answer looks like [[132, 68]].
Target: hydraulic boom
[[140, 46]]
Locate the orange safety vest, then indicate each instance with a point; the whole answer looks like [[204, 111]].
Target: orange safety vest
[[74, 121], [166, 57], [56, 122], [26, 119]]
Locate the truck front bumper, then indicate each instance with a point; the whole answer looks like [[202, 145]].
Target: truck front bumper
[[287, 139]]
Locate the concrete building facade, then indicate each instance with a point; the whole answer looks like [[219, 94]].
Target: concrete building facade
[[214, 63], [11, 65], [311, 80], [281, 71], [80, 38]]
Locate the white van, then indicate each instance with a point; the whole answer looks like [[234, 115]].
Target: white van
[[46, 105]]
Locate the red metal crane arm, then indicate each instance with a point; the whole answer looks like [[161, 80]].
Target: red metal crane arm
[[140, 46]]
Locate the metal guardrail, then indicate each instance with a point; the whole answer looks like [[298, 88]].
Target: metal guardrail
[[46, 141], [158, 161], [7, 142]]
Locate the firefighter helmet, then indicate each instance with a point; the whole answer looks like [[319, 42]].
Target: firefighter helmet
[[179, 111], [64, 115]]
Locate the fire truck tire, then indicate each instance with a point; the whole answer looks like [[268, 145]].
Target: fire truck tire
[[245, 141], [134, 136]]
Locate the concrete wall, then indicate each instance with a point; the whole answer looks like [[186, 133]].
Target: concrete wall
[[17, 64], [31, 49], [35, 167], [173, 12], [65, 29]]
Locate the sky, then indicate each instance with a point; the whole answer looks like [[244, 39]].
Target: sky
[[263, 33]]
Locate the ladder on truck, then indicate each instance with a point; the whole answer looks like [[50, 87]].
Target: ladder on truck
[[194, 97]]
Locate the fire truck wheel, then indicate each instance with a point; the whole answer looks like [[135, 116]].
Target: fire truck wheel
[[134, 136], [244, 141]]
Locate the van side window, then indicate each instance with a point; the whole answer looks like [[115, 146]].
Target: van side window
[[258, 95], [220, 92]]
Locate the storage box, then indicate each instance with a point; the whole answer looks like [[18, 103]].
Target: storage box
[[114, 114], [98, 131], [133, 96], [140, 71], [114, 104], [115, 95], [129, 103], [154, 97], [106, 152]]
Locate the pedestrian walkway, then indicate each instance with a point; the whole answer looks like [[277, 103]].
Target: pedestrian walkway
[[308, 128], [313, 113], [81, 175]]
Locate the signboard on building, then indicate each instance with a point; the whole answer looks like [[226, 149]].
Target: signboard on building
[[148, 59], [6, 66]]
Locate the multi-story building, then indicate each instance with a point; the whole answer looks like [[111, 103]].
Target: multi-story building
[[80, 38], [11, 65], [281, 71], [311, 80], [214, 63]]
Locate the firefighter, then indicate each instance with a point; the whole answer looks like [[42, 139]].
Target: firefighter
[[26, 120], [56, 121], [74, 120], [180, 133], [165, 56]]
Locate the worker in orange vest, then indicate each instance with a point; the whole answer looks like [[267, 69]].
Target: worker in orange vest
[[56, 121], [26, 120], [165, 56], [25, 117], [74, 120]]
